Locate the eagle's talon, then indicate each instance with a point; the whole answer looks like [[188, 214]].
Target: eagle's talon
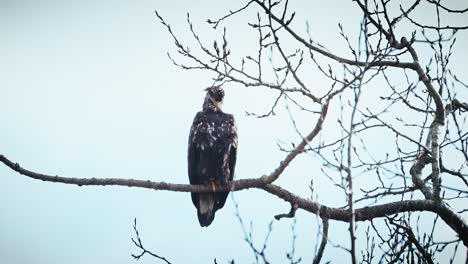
[[213, 186]]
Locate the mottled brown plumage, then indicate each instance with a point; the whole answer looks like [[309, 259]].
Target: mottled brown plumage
[[211, 153]]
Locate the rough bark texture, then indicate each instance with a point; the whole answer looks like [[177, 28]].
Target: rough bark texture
[[361, 214]]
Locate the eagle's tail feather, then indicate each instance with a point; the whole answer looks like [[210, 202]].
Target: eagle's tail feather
[[205, 208]]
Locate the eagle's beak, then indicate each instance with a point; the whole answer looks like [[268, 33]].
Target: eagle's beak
[[217, 104]]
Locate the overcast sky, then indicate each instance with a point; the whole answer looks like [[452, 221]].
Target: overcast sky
[[87, 90]]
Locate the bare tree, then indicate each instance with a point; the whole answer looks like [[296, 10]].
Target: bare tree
[[384, 89]]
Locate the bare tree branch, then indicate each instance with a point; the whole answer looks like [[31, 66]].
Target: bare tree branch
[[323, 244], [139, 244], [361, 214]]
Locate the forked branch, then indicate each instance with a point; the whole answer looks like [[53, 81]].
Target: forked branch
[[361, 214]]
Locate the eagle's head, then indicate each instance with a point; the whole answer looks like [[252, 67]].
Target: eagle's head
[[214, 97]]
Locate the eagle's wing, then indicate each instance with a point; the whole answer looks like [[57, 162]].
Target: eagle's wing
[[212, 151], [231, 134], [193, 157], [233, 150]]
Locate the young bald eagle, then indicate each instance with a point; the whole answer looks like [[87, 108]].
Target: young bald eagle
[[212, 153]]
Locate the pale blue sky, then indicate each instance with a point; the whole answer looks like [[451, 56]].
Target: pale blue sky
[[86, 90]]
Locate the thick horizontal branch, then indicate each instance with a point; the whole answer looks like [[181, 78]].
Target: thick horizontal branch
[[368, 213], [162, 186], [361, 214]]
